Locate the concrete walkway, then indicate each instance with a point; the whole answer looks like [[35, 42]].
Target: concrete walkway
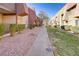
[[19, 44], [33, 42], [41, 46]]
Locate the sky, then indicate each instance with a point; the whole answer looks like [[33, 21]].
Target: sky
[[49, 8]]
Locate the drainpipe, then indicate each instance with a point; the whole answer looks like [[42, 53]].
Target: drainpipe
[[16, 13], [16, 19]]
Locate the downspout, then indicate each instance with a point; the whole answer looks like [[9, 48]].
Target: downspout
[[16, 13]]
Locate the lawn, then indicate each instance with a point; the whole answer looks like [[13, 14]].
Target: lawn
[[65, 43]]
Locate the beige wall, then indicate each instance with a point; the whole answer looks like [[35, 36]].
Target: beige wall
[[60, 18], [0, 18], [23, 20], [71, 16], [9, 19], [68, 15], [77, 10]]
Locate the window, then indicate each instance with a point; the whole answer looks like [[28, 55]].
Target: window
[[77, 22]]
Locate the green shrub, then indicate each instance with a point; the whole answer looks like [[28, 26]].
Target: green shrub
[[2, 29], [75, 29], [31, 26], [13, 29], [21, 27], [63, 27]]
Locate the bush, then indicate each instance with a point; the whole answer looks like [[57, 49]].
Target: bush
[[21, 27], [2, 29], [63, 27], [13, 29], [75, 29], [31, 26], [55, 26]]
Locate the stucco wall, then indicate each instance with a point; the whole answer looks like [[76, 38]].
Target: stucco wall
[[0, 18], [9, 19], [71, 17], [68, 15], [31, 16], [77, 10], [23, 20]]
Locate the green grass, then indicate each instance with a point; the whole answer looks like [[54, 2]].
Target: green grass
[[75, 29], [65, 43]]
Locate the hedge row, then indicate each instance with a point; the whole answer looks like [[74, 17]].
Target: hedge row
[[16, 28], [2, 29], [13, 28]]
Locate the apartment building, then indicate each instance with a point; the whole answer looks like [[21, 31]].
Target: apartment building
[[31, 16], [16, 13], [12, 13], [60, 18], [72, 14], [68, 15]]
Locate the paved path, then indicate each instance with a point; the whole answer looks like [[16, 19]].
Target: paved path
[[41, 46], [33, 42], [19, 44]]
